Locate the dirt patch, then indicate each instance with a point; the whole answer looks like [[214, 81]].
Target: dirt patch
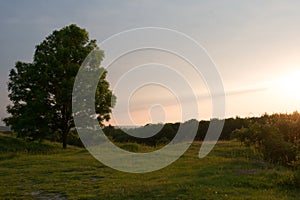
[[96, 178], [39, 194]]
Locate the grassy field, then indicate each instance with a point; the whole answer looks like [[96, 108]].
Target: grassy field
[[45, 171]]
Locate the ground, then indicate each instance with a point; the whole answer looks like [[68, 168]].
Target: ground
[[230, 171]]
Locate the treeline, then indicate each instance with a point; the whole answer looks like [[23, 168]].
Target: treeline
[[169, 130]]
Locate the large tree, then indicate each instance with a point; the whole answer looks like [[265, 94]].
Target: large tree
[[41, 91]]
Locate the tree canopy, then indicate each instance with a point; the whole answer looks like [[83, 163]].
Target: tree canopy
[[41, 91]]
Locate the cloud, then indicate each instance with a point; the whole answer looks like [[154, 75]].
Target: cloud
[[166, 100]]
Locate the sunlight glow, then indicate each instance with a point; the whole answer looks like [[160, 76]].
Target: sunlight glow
[[289, 85]]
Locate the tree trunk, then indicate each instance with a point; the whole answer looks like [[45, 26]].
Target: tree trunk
[[65, 127], [64, 139]]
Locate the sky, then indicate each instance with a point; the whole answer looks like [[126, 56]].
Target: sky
[[255, 46]]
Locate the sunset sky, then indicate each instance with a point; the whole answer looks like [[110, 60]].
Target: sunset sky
[[255, 46]]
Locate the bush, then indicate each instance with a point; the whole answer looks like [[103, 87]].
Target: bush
[[132, 147], [15, 145], [74, 139], [163, 141], [269, 141]]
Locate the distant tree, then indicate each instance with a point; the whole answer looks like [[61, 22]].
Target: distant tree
[[41, 92]]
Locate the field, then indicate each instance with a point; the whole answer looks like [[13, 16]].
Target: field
[[230, 171]]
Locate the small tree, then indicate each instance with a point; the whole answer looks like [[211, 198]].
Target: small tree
[[41, 92]]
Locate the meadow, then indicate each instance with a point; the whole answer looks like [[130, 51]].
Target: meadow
[[32, 170]]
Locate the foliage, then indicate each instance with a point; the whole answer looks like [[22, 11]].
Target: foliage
[[162, 141], [11, 145], [168, 131], [41, 91], [276, 138], [132, 147]]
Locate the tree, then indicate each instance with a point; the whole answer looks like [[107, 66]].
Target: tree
[[41, 92]]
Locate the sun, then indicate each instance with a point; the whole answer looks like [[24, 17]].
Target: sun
[[289, 85]]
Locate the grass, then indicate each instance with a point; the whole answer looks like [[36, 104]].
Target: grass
[[230, 171]]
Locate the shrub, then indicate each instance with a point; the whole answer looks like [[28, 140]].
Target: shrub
[[133, 147], [162, 141], [269, 141]]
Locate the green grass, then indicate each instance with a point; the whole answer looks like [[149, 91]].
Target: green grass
[[230, 171]]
